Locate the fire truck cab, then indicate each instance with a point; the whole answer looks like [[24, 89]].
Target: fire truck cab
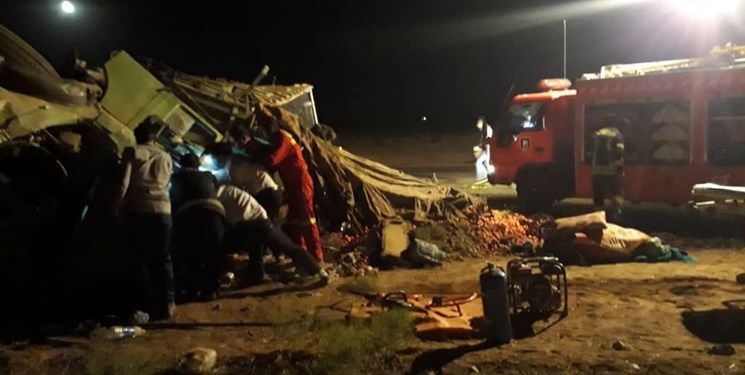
[[533, 144], [683, 122]]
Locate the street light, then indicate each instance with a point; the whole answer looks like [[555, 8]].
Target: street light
[[67, 7], [705, 9]]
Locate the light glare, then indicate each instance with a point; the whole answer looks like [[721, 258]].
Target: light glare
[[67, 7], [705, 8]]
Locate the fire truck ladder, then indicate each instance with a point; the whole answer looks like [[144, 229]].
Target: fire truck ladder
[[727, 56]]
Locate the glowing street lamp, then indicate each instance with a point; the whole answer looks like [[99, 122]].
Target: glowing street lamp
[[705, 9], [67, 7]]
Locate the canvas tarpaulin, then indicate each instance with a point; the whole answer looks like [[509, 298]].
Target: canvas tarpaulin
[[349, 188], [363, 191]]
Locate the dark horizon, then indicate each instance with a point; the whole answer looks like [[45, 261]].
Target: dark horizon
[[377, 66]]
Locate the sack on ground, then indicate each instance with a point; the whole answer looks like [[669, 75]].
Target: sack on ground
[[589, 222], [424, 254], [609, 245]]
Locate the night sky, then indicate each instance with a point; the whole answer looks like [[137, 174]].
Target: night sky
[[377, 65]]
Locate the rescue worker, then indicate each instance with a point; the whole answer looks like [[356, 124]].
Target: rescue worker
[[147, 209], [481, 152], [607, 169], [251, 176], [281, 153], [199, 227], [249, 228]]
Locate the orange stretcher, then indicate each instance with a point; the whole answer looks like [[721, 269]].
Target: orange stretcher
[[436, 317]]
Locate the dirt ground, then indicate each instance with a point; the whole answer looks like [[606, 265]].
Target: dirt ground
[[669, 315]]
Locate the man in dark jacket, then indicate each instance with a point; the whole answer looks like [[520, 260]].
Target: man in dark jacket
[[199, 227], [607, 169]]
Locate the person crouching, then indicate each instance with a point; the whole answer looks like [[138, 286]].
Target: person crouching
[[249, 228]]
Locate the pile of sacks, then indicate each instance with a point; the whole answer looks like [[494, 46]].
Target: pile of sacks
[[590, 239]]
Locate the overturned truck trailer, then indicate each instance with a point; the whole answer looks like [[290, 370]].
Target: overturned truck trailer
[[350, 189], [44, 114]]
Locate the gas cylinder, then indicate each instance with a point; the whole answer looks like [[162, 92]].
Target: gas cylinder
[[496, 303]]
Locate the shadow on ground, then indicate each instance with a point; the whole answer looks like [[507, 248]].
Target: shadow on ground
[[435, 360], [721, 326], [272, 292]]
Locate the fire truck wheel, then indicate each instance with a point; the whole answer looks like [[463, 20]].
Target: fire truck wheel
[[535, 190]]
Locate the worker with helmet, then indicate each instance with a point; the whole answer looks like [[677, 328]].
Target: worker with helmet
[[607, 169], [280, 152]]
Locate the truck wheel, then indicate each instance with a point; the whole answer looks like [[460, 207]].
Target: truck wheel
[[535, 190]]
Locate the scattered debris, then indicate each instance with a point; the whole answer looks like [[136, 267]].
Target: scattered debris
[[352, 264], [474, 370], [197, 361], [117, 332], [349, 254], [722, 349], [740, 278], [635, 367], [620, 345], [217, 307]]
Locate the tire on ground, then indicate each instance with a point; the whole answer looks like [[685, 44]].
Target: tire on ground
[[536, 191], [19, 53]]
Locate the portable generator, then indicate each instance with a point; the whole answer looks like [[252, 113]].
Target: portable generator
[[537, 288]]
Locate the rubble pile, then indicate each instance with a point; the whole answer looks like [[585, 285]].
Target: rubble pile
[[350, 253], [353, 263], [496, 232], [449, 237]]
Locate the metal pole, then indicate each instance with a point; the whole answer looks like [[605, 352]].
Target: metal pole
[[565, 48]]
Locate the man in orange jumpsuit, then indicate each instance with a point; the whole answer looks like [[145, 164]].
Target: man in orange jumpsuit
[[281, 153]]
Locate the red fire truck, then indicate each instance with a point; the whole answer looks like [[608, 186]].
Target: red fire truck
[[683, 122]]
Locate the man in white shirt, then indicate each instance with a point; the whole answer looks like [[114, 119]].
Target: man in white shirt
[[147, 209], [249, 229], [253, 177]]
